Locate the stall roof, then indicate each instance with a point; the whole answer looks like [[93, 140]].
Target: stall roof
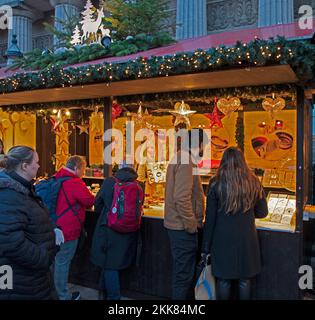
[[217, 79]]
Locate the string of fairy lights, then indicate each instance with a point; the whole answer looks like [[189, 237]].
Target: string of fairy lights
[[256, 53]]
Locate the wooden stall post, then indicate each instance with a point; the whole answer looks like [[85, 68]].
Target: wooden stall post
[[107, 125]]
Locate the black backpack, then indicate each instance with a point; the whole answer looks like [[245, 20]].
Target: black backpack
[[48, 190]]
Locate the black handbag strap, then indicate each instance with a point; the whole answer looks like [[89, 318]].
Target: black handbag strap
[[75, 208]]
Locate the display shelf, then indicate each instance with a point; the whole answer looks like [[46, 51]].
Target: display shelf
[[273, 226], [156, 212], [93, 178]]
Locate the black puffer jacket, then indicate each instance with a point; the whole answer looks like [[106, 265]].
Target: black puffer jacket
[[27, 240]]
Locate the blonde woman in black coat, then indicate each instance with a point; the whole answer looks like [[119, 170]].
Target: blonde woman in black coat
[[27, 238], [235, 198]]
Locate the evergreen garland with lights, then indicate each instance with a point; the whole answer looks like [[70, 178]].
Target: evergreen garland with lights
[[300, 55], [250, 97]]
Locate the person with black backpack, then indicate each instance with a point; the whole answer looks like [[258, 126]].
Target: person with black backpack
[[67, 198], [114, 246]]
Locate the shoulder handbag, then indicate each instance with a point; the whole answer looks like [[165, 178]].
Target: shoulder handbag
[[205, 286]]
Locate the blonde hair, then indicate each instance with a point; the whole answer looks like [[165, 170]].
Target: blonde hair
[[16, 156]]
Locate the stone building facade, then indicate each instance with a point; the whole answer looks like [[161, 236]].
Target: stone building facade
[[188, 18]]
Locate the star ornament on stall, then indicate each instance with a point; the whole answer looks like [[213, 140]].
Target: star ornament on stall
[[215, 118], [84, 127], [182, 112], [57, 121]]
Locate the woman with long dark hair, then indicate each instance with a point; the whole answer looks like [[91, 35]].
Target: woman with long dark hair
[[235, 198]]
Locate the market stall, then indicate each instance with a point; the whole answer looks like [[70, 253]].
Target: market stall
[[255, 99]]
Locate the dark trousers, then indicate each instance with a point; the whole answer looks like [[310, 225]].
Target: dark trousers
[[184, 250], [224, 289]]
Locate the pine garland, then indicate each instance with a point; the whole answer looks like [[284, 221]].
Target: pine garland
[[299, 54]]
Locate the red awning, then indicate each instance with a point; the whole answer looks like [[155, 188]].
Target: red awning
[[289, 31]]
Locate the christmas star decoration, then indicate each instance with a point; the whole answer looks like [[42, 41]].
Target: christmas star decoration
[[84, 127], [57, 121], [61, 159], [181, 111], [63, 137], [215, 117]]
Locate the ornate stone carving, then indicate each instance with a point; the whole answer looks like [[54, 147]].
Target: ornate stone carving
[[43, 41], [230, 14]]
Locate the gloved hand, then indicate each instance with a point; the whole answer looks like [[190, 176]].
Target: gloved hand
[[206, 258], [59, 237]]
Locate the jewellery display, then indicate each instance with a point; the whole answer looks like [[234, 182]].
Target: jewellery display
[[281, 210]]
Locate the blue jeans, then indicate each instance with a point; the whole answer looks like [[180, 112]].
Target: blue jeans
[[62, 265], [112, 284]]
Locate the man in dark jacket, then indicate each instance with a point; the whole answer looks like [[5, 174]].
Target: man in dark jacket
[[27, 239], [112, 251]]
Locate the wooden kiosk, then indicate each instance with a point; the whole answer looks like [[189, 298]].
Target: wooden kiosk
[[281, 247]]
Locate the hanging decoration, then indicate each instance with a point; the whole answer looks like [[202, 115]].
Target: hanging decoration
[[60, 127], [139, 116], [214, 117], [62, 143], [181, 112], [116, 110], [92, 29], [96, 121], [273, 105], [4, 125], [84, 127], [57, 121], [96, 141], [142, 119], [148, 119], [228, 106]]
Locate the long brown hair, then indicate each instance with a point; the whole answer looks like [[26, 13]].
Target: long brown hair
[[238, 188]]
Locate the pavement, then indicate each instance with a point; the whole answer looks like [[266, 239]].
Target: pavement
[[92, 294], [88, 293]]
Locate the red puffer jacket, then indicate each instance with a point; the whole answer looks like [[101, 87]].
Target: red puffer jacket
[[79, 196]]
